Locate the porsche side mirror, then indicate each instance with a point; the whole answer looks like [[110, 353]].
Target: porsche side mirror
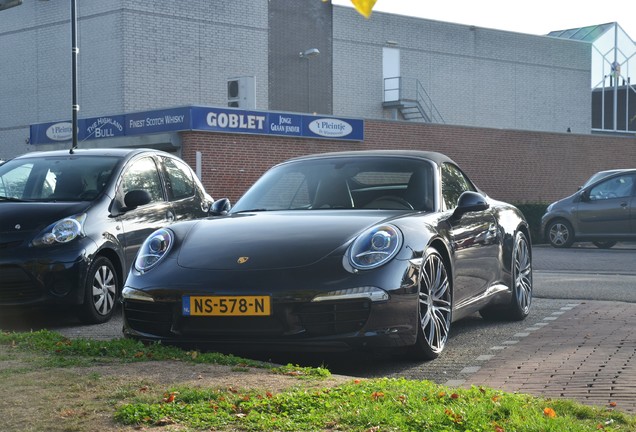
[[469, 202], [136, 198], [220, 207]]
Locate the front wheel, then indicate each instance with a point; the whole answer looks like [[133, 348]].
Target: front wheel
[[100, 292], [560, 233], [434, 307]]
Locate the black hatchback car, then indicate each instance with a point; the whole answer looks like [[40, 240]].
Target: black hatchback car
[[71, 223]]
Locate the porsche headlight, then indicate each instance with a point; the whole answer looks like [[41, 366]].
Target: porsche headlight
[[375, 247], [62, 231], [154, 248]]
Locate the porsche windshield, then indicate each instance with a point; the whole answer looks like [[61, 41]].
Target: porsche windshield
[[343, 183], [55, 178]]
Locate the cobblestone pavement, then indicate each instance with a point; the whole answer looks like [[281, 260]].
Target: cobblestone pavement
[[584, 352]]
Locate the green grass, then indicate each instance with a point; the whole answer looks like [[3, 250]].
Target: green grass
[[371, 405], [64, 352], [360, 405]]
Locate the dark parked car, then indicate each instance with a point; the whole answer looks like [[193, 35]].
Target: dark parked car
[[71, 224], [603, 212], [375, 249]]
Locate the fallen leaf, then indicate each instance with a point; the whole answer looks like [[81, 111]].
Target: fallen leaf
[[169, 398], [549, 412], [377, 395]]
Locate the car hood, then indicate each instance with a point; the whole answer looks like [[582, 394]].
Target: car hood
[[26, 217], [272, 240], [565, 202]]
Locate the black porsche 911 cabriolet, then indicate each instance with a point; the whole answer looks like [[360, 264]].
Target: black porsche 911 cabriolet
[[367, 250]]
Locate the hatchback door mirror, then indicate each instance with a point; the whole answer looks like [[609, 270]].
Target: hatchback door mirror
[[136, 198], [469, 202], [584, 195], [220, 207]]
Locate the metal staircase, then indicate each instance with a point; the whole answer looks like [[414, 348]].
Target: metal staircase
[[410, 98]]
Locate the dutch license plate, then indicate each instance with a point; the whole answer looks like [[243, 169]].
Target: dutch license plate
[[226, 306]]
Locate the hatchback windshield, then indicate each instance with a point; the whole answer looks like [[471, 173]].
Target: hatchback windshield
[[70, 178]]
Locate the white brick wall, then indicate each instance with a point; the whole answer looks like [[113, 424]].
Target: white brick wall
[[134, 55], [475, 76]]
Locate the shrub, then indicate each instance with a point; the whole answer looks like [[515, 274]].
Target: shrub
[[533, 213]]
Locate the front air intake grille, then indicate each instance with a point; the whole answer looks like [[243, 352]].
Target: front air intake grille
[[16, 286], [151, 318], [324, 319]]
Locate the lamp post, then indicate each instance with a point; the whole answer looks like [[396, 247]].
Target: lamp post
[[74, 55], [308, 54]]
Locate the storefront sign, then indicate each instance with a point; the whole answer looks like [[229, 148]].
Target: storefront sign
[[225, 120]]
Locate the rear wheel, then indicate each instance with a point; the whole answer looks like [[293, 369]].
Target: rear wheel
[[560, 233], [604, 244], [521, 285], [434, 307], [100, 292]]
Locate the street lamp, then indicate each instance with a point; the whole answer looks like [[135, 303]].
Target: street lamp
[[308, 54], [74, 55]]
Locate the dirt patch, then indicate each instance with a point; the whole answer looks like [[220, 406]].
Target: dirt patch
[[40, 398]]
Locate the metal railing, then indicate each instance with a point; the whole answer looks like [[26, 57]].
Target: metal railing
[[411, 98]]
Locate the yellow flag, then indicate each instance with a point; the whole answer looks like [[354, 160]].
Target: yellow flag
[[364, 6]]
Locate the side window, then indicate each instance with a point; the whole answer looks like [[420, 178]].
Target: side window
[[454, 183], [143, 175], [179, 179], [617, 187]]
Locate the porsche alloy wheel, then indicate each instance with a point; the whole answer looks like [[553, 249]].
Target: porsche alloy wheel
[[435, 307], [520, 285], [521, 278], [100, 292]]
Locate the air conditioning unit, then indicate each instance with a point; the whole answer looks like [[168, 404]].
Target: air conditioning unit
[[241, 92]]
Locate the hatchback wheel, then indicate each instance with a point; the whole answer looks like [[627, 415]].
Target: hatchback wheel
[[560, 233], [101, 291], [434, 307]]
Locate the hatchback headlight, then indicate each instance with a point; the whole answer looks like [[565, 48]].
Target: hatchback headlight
[[62, 231], [156, 246], [375, 247]]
